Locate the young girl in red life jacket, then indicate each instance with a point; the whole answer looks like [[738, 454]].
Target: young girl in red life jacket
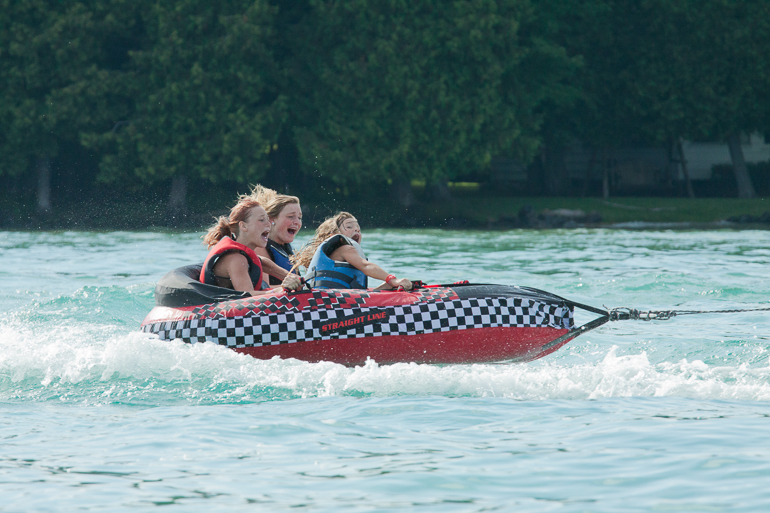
[[232, 261], [334, 258]]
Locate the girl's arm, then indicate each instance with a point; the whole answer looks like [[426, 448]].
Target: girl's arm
[[372, 270], [271, 268], [236, 267]]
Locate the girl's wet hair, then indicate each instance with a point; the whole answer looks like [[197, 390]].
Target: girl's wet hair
[[228, 226], [271, 201], [330, 226]]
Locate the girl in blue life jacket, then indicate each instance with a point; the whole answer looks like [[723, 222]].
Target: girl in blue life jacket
[[335, 260], [285, 215]]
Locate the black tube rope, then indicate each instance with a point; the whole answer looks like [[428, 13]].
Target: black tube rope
[[632, 314], [624, 314]]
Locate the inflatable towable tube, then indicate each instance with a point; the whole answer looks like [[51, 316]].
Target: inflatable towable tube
[[463, 323]]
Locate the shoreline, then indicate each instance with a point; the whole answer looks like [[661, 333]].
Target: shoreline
[[470, 213]]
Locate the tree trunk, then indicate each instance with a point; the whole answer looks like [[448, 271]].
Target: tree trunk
[[670, 164], [44, 185], [556, 174], [605, 176], [589, 173], [742, 178], [401, 192], [177, 200], [438, 191], [685, 171]]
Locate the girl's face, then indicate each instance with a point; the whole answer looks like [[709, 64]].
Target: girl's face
[[287, 224], [351, 229], [255, 230]]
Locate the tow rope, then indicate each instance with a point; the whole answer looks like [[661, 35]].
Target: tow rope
[[632, 314], [623, 313]]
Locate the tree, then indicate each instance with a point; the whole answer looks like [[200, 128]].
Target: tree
[[589, 32], [660, 70], [738, 75], [50, 53], [702, 73], [394, 90], [206, 103], [662, 82]]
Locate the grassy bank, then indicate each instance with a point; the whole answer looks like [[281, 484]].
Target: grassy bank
[[505, 212], [480, 211]]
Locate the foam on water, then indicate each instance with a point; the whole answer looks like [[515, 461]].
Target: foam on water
[[634, 416], [101, 362]]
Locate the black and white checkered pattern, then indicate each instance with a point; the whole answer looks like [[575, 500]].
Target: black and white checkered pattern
[[190, 330], [296, 325]]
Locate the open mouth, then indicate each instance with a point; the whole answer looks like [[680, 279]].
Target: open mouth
[[292, 231], [357, 237], [265, 235]]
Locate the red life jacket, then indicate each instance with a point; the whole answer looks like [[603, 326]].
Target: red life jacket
[[227, 245]]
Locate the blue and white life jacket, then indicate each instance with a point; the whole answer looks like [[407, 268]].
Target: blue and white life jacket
[[325, 273], [279, 253]]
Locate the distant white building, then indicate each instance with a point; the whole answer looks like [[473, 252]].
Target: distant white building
[[702, 157], [637, 167], [640, 166]]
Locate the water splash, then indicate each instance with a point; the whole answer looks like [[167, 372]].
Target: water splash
[[92, 364]]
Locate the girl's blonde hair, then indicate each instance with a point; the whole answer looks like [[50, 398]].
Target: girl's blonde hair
[[330, 226], [228, 226], [273, 202]]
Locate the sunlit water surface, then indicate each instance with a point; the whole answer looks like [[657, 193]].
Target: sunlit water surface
[[635, 416]]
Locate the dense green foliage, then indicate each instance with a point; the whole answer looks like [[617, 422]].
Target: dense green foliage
[[205, 103], [362, 91], [53, 61], [423, 90], [659, 71]]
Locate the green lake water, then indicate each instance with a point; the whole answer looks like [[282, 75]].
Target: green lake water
[[634, 416]]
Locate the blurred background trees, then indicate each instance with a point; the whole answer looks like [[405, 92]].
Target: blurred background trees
[[120, 97]]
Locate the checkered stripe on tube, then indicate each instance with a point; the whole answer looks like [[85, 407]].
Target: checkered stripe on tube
[[190, 330], [288, 327]]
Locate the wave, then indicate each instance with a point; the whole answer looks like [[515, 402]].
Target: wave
[[103, 364], [85, 348]]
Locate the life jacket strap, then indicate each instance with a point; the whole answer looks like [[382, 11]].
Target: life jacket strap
[[322, 279]]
